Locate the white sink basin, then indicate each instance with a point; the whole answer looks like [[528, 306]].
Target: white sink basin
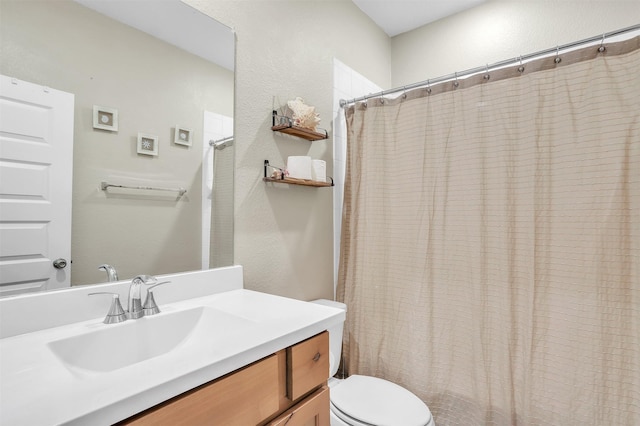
[[109, 347]]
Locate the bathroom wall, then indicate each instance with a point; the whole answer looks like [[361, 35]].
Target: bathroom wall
[[500, 30], [154, 86], [284, 234]]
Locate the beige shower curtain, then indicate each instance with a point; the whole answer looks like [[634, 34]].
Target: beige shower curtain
[[490, 254]]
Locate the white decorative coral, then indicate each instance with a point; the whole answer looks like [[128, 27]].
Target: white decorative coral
[[303, 115]]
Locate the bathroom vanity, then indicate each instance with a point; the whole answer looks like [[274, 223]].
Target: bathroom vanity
[[288, 387], [215, 354]]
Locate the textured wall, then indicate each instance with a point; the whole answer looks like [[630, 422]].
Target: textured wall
[[284, 234], [500, 30]]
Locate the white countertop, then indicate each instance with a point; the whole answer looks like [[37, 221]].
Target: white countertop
[[37, 388]]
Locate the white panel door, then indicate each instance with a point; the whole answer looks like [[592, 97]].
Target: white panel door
[[36, 164]]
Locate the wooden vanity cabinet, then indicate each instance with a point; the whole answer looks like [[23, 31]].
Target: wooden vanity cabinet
[[288, 387]]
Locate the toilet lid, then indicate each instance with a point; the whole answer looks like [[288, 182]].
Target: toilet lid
[[379, 402]]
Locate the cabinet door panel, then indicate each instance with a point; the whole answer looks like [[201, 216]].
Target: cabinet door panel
[[245, 397], [307, 365], [312, 411]]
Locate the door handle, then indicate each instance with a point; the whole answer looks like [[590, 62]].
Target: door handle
[[60, 263]]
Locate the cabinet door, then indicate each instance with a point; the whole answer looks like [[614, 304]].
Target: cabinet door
[[307, 365], [312, 411], [245, 397]]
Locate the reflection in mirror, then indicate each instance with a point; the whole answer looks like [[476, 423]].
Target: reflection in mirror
[[159, 85]]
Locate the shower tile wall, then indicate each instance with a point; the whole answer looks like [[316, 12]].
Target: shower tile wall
[[347, 84]]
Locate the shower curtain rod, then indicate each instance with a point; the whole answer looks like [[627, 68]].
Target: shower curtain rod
[[227, 139], [488, 67]]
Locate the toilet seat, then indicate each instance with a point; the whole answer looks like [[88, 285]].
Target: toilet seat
[[370, 401]]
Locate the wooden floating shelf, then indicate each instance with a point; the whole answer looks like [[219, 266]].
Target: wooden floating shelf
[[293, 181], [303, 182], [299, 132], [290, 129]]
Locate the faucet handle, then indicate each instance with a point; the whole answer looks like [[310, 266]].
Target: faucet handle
[[150, 307], [116, 314]]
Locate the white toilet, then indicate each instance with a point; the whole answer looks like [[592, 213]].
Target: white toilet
[[369, 401]]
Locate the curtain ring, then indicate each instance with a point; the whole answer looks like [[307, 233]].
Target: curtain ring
[[521, 67], [602, 48], [557, 60], [487, 76], [428, 87], [404, 92], [455, 83]]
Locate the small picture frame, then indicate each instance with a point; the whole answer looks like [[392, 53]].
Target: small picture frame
[[147, 144], [105, 118], [183, 136]]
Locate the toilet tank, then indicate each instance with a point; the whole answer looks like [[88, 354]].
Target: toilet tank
[[335, 336]]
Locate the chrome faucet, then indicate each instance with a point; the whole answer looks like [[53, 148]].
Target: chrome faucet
[[135, 308], [134, 304], [112, 275]]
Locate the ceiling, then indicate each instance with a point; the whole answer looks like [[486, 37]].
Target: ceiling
[[189, 30], [399, 16], [393, 16]]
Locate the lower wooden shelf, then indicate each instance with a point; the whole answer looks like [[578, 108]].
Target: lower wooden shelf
[[293, 181], [303, 182]]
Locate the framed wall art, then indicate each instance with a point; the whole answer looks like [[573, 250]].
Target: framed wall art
[[183, 136], [105, 118], [147, 144]]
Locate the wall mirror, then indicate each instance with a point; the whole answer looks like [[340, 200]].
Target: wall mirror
[[167, 70]]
